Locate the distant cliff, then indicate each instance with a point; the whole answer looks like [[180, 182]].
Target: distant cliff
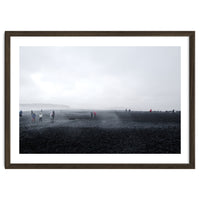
[[37, 106]]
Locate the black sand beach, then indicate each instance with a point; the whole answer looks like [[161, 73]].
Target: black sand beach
[[110, 132]]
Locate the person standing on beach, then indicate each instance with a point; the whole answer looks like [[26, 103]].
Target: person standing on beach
[[52, 115], [33, 116], [91, 115], [95, 114], [20, 113], [40, 116]]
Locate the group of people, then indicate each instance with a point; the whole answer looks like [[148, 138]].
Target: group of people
[[93, 115], [33, 115]]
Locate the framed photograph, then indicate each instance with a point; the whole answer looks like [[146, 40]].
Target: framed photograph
[[100, 99]]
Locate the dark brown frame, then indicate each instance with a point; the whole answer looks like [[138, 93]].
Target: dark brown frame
[[190, 34]]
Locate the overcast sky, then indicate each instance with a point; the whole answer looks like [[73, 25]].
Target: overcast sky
[[138, 78]]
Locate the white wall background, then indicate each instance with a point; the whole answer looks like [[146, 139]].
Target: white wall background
[[98, 15]]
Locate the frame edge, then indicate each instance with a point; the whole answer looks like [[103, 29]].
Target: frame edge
[[7, 100], [192, 98], [191, 164]]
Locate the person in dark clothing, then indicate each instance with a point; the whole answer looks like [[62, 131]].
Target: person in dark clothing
[[52, 115], [33, 116], [95, 115], [91, 115], [20, 113]]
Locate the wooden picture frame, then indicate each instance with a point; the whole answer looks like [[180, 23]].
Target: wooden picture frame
[[9, 74]]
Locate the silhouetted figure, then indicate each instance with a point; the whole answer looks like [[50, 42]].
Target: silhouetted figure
[[95, 115], [52, 115], [91, 115], [173, 110], [20, 113], [33, 115]]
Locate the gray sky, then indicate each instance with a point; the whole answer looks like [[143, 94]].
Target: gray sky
[[138, 78]]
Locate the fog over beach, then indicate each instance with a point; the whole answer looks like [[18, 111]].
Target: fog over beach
[[138, 78], [100, 100]]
